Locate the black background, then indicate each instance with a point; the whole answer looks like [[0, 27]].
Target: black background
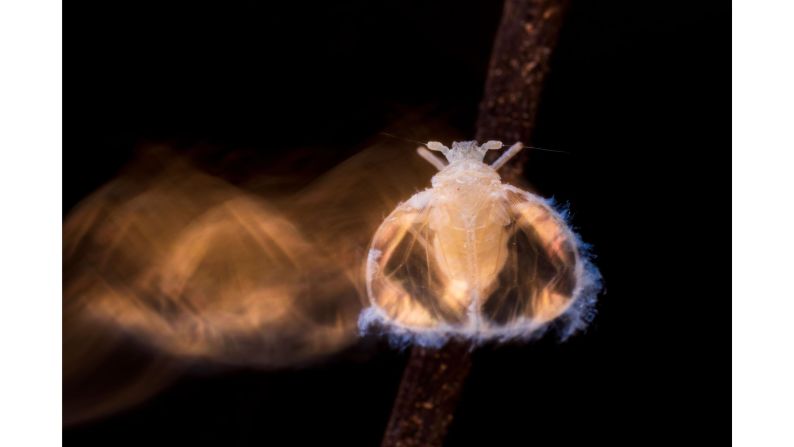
[[638, 93]]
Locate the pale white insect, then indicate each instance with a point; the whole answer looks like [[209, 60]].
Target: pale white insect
[[476, 258]]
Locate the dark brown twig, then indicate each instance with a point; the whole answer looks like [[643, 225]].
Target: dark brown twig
[[428, 394], [519, 64], [433, 379]]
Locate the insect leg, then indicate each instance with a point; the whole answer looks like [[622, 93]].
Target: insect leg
[[507, 155], [432, 159]]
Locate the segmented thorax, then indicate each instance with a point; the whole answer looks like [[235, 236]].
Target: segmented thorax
[[468, 219], [472, 255]]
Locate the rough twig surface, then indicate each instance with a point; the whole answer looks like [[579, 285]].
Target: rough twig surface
[[519, 63], [428, 395]]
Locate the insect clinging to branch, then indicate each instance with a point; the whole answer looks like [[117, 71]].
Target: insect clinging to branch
[[474, 257]]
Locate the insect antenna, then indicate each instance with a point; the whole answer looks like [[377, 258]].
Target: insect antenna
[[402, 138], [534, 148]]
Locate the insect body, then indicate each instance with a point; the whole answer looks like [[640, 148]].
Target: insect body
[[474, 257]]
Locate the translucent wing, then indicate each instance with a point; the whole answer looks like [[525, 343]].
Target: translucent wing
[[539, 279], [403, 278], [503, 264]]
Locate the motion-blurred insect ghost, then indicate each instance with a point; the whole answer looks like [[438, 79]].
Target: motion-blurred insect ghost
[[473, 257]]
